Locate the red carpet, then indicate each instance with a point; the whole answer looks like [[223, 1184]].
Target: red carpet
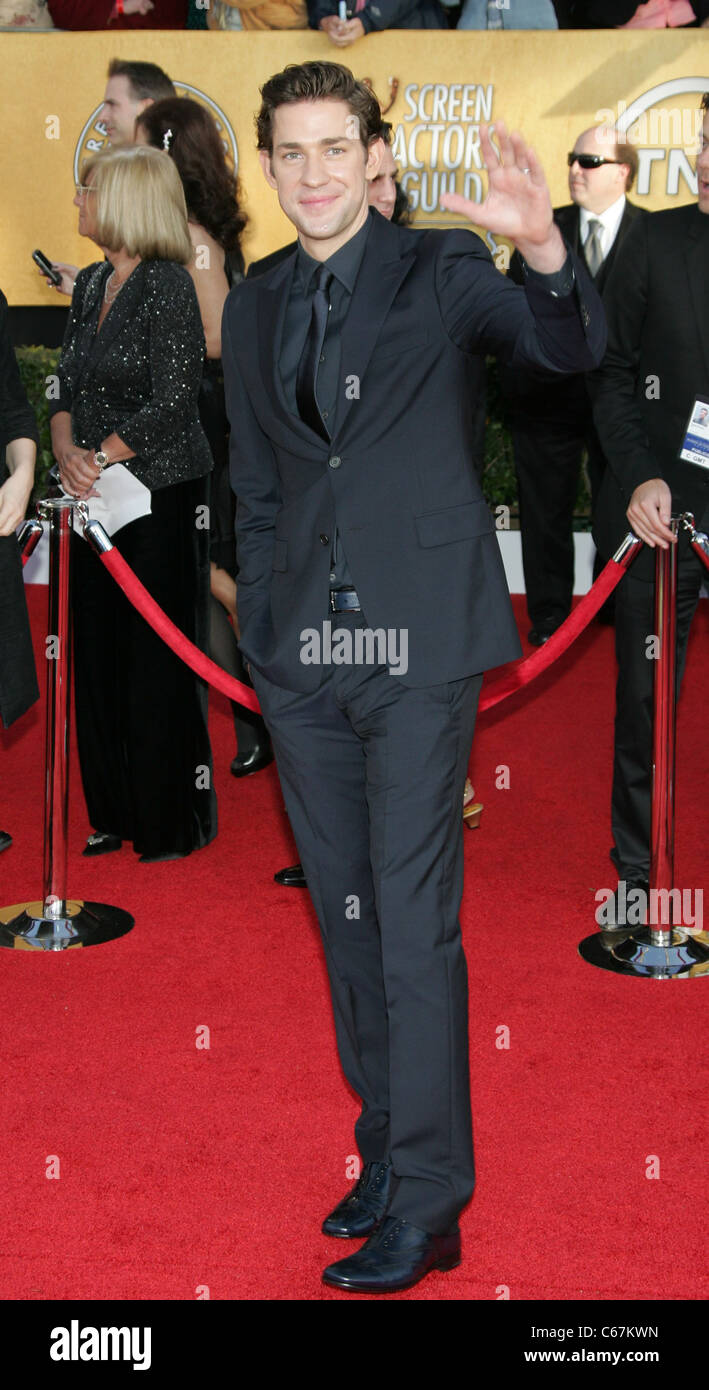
[[181, 1168]]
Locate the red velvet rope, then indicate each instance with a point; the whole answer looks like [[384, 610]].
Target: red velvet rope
[[525, 671], [138, 595], [520, 674]]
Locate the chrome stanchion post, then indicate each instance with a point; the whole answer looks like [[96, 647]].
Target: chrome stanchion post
[[56, 923], [28, 537], [664, 733], [658, 950], [698, 540], [58, 513]]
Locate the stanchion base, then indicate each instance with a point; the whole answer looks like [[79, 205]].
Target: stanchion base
[[633, 953], [23, 927]]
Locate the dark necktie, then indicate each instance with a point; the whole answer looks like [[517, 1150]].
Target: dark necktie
[[306, 381], [592, 250]]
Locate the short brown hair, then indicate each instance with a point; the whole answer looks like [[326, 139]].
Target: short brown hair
[[147, 81], [318, 81], [627, 154]]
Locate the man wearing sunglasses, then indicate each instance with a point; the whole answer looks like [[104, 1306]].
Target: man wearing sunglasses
[[551, 420], [653, 380]]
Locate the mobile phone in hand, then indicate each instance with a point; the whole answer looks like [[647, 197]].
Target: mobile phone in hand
[[46, 267]]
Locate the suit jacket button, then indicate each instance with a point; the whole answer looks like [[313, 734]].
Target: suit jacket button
[[323, 538], [335, 461]]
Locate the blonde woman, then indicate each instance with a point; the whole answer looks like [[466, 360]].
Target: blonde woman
[[129, 374]]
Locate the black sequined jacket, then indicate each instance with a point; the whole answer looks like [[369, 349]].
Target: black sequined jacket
[[140, 375]]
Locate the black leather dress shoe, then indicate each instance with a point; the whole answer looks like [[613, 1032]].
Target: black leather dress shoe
[[363, 1208], [253, 761], [5, 840], [396, 1256], [539, 635], [293, 877], [101, 843]]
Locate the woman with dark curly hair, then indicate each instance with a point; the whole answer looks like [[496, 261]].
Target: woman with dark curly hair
[[215, 222]]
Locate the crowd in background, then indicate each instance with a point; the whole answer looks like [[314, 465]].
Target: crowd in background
[[361, 16]]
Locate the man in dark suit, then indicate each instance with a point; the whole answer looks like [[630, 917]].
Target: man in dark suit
[[551, 420], [385, 193], [644, 395], [360, 523]]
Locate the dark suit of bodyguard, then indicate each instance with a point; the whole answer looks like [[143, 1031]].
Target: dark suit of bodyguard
[[656, 365], [373, 765], [552, 422]]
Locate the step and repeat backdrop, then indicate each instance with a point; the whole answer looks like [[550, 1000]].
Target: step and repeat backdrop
[[435, 87]]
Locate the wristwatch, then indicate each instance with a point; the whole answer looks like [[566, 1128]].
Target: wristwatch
[[100, 459]]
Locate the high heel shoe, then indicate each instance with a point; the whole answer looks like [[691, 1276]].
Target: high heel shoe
[[101, 843], [472, 810]]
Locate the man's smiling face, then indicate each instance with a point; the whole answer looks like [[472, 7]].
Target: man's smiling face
[[320, 170]]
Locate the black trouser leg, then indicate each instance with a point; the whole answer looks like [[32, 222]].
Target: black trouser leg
[[373, 774], [547, 464], [632, 765]]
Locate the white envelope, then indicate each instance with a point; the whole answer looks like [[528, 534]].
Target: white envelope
[[122, 498]]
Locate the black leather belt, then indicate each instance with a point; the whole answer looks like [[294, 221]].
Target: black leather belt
[[344, 601]]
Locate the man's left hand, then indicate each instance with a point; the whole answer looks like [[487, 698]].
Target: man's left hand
[[518, 205]]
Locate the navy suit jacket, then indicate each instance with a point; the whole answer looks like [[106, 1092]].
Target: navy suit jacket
[[397, 479], [537, 401]]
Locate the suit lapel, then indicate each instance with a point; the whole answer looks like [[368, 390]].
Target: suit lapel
[[381, 273], [90, 309], [696, 256], [382, 270], [629, 212], [271, 315], [567, 220], [120, 312]]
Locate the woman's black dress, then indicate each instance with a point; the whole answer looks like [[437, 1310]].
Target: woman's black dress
[[141, 715]]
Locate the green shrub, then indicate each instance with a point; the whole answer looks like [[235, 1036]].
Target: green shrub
[[36, 364]]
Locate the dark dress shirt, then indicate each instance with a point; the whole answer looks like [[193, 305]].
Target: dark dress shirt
[[344, 265]]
